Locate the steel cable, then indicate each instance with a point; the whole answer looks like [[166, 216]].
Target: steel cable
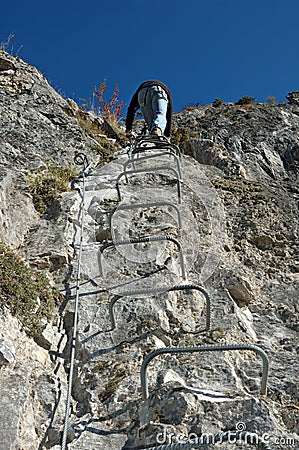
[[74, 335]]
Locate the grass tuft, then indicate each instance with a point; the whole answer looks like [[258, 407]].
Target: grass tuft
[[25, 292], [45, 187]]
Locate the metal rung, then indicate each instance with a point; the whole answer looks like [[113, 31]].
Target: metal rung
[[146, 206], [156, 146], [138, 150], [204, 348], [160, 290], [145, 239], [152, 169], [141, 144], [164, 153]]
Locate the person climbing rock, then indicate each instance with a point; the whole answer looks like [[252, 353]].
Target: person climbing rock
[[155, 101]]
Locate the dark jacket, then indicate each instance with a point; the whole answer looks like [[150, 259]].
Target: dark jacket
[[134, 105]]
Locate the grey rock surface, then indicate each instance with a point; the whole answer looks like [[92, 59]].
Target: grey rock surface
[[7, 351], [239, 237], [245, 308], [37, 124]]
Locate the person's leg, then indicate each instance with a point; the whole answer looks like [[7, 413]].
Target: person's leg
[[159, 108], [153, 103], [145, 101]]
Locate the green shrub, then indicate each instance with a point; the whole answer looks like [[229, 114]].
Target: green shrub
[[246, 100], [217, 102], [105, 150], [271, 100], [45, 187], [27, 293], [180, 135]]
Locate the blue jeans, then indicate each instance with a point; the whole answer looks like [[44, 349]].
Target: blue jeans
[[153, 103]]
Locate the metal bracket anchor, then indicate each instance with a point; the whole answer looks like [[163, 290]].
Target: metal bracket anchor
[[153, 169], [161, 290], [204, 348], [145, 239]]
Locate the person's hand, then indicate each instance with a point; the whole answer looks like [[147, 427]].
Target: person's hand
[[129, 134]]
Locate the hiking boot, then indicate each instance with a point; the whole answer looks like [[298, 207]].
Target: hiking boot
[[156, 131]]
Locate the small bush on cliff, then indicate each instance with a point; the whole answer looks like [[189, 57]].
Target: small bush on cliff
[[105, 150], [246, 100], [111, 109], [271, 100], [217, 102], [26, 293], [45, 187], [180, 135], [8, 47]]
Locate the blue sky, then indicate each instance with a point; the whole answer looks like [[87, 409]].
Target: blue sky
[[202, 49]]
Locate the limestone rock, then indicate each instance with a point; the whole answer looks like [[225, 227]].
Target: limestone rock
[[26, 403], [6, 64], [17, 213], [263, 242], [239, 238], [7, 351], [293, 98], [240, 293]]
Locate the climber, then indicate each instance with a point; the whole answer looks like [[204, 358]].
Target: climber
[[154, 99]]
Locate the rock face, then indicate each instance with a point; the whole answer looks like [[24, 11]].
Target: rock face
[[293, 98], [233, 217]]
